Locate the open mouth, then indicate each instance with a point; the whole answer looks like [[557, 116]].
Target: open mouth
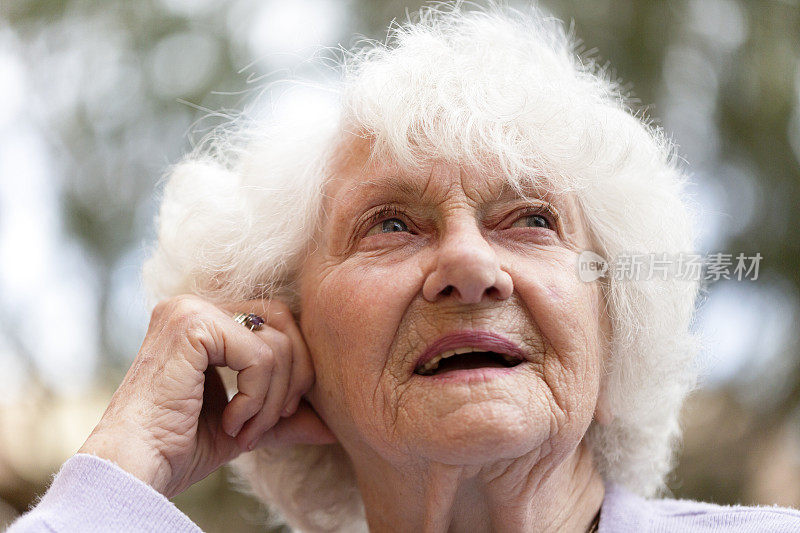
[[465, 359]]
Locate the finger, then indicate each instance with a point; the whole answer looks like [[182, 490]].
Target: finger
[[276, 393], [216, 339], [304, 427], [240, 349], [302, 377], [252, 383], [278, 315], [287, 387]]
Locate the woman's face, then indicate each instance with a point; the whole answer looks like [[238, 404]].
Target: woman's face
[[404, 260]]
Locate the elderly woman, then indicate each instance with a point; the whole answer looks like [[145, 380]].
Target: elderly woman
[[396, 282]]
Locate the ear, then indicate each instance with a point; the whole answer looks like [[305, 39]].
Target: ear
[[602, 410], [303, 427]]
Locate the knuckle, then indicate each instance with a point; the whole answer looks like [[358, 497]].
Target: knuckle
[[186, 316], [165, 308], [279, 313], [197, 335], [185, 303], [186, 313], [177, 315], [265, 357]]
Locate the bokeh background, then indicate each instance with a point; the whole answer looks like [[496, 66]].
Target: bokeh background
[[97, 98]]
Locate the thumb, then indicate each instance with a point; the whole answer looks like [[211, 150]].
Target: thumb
[[304, 427]]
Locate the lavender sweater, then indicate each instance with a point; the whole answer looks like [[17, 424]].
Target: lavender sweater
[[92, 494]]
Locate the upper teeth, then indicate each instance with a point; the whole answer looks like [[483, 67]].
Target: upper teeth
[[433, 363]]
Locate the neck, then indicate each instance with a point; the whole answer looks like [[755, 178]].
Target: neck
[[535, 492]]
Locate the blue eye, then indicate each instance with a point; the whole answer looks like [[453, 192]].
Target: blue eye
[[391, 225], [531, 221]]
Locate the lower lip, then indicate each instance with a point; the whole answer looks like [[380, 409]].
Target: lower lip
[[470, 375]]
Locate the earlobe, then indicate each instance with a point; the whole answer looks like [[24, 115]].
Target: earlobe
[[318, 432], [303, 427]]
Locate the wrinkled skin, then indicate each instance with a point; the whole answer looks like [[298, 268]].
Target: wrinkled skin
[[170, 423], [498, 454], [504, 454]]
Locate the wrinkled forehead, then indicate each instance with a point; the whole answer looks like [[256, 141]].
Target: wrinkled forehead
[[357, 168]]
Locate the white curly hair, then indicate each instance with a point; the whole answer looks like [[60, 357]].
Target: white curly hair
[[497, 88]]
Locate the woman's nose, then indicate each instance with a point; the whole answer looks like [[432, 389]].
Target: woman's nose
[[467, 268]]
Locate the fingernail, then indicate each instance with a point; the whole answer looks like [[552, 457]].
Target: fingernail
[[252, 444], [235, 432], [290, 408]]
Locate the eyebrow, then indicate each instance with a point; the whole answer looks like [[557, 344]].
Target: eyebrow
[[390, 182], [394, 187], [415, 188]]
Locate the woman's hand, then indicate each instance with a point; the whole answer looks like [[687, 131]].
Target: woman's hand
[[170, 423]]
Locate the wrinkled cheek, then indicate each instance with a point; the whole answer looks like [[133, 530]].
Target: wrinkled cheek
[[349, 321], [565, 310], [565, 313]]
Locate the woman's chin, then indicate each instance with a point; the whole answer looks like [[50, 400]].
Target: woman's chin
[[477, 434]]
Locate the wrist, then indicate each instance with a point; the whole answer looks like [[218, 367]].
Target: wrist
[[132, 455]]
